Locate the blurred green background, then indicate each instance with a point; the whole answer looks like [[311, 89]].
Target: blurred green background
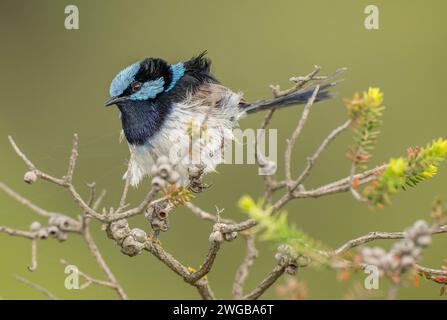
[[54, 82]]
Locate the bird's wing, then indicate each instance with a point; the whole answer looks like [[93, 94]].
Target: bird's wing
[[212, 95]]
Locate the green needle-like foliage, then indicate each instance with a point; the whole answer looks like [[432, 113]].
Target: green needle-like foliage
[[419, 165], [276, 228], [365, 111]]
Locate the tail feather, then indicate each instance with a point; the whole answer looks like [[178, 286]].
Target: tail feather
[[298, 97]]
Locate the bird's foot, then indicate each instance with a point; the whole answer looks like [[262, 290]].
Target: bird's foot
[[198, 186]]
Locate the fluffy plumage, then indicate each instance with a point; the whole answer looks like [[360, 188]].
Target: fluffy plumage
[[162, 106]]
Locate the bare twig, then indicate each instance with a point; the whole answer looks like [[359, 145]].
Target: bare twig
[[18, 233], [73, 158], [353, 190], [89, 279], [204, 290], [148, 201], [88, 208], [378, 235], [122, 203], [92, 187], [195, 279], [30, 165], [101, 262], [99, 200], [237, 227], [76, 196], [296, 133], [25, 201], [269, 181], [226, 226], [271, 278], [37, 287], [202, 214], [33, 265], [431, 271], [311, 160], [299, 83], [207, 264], [338, 186], [201, 285], [243, 270]]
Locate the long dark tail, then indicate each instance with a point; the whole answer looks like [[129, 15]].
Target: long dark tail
[[298, 97]]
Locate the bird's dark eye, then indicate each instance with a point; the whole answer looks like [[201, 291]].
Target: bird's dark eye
[[136, 86]]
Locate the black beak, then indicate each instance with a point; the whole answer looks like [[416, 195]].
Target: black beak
[[114, 100]]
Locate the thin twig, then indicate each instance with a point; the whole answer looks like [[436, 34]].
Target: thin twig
[[237, 227], [243, 270], [196, 279], [269, 180], [18, 233], [172, 263], [101, 262], [207, 264], [431, 271], [99, 200], [311, 161], [299, 83], [271, 278], [224, 225], [76, 196], [204, 290], [92, 187], [123, 198], [122, 203], [148, 201], [19, 198], [353, 190], [202, 214], [73, 158], [33, 265], [338, 186], [296, 133], [89, 279], [378, 235], [30, 165], [37, 287], [271, 184]]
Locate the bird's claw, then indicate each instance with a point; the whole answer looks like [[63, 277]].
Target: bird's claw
[[198, 187]]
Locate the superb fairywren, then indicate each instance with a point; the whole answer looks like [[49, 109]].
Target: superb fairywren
[[160, 102]]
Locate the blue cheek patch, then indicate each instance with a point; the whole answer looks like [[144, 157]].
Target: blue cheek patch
[[149, 89], [177, 70], [123, 79]]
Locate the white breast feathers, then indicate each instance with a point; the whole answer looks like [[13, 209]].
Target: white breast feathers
[[196, 132]]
